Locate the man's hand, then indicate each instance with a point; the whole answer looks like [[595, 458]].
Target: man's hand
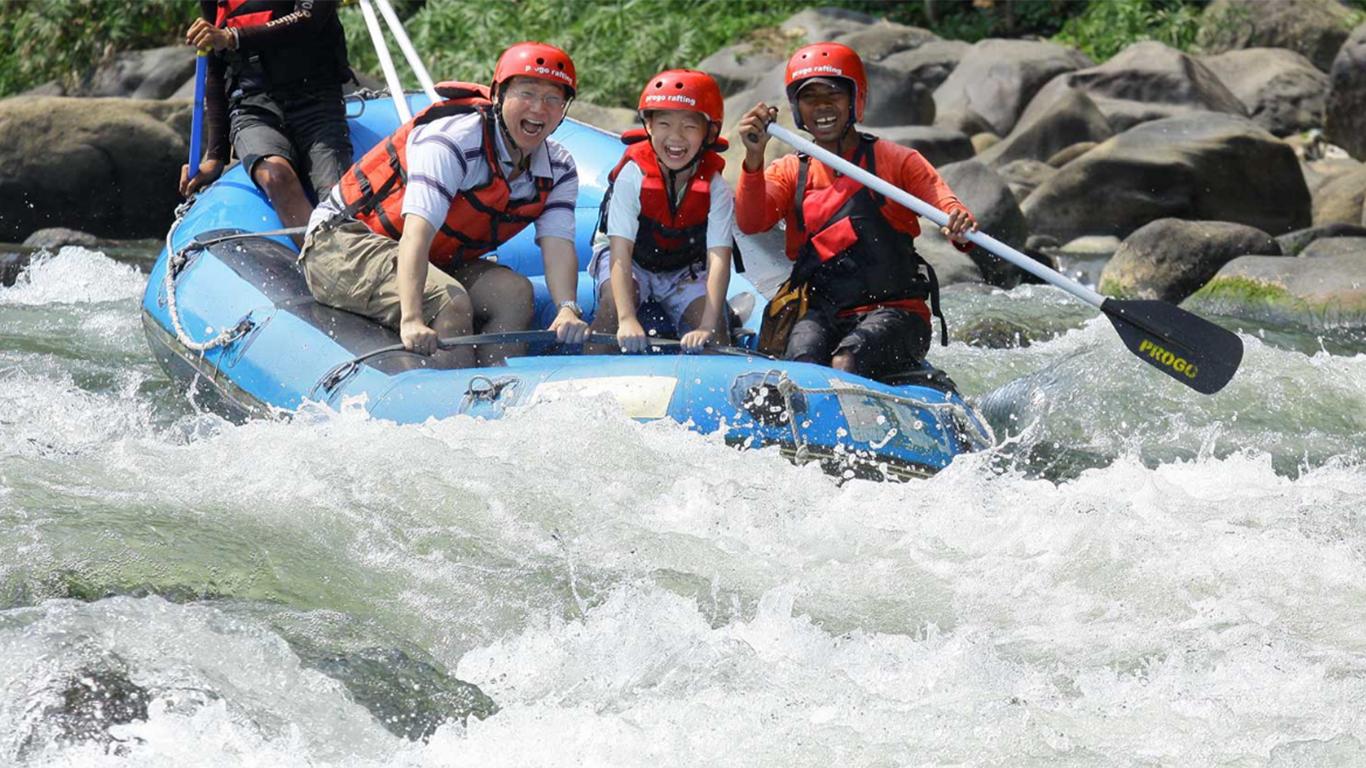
[[569, 328], [417, 337], [694, 341], [960, 224], [753, 128], [209, 171], [207, 37], [631, 335]]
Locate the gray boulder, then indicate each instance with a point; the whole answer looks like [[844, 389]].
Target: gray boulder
[[614, 119], [1070, 119], [895, 100], [1336, 246], [884, 38], [816, 24], [1024, 176], [108, 166], [1340, 199], [1292, 243], [737, 67], [1169, 259], [1068, 154], [1313, 28], [150, 74], [989, 198], [997, 78], [940, 146], [1203, 165], [1282, 90], [951, 266], [11, 264], [1325, 292], [1145, 81], [1345, 118], [53, 238], [930, 63]]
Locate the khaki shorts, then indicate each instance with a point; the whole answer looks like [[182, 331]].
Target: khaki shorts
[[352, 268]]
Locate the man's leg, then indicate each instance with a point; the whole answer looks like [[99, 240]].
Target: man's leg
[[317, 125], [884, 341], [604, 321], [813, 335], [502, 300], [260, 140], [276, 177]]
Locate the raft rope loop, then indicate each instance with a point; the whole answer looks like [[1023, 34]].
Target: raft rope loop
[[174, 264]]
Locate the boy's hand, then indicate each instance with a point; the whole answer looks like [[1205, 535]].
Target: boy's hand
[[206, 36], [631, 335], [960, 224], [695, 341], [753, 128]]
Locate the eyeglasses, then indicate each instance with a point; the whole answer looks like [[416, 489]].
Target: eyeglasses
[[551, 100]]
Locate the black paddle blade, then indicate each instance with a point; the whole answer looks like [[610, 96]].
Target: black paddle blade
[[1186, 347]]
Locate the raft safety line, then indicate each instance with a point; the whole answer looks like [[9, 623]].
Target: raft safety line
[[174, 263]]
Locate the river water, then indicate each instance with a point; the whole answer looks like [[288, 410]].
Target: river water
[[1138, 576]]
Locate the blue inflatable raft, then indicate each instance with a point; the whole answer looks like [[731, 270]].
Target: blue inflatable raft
[[228, 312]]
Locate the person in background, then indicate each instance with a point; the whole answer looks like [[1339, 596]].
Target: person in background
[[274, 87], [871, 296], [448, 187], [667, 223]]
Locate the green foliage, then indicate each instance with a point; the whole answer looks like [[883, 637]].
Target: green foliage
[[63, 39], [1107, 27]]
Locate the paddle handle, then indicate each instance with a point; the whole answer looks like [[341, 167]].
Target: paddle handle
[[923, 208], [201, 74]]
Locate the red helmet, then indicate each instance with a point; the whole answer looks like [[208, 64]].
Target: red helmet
[[829, 60], [539, 60], [685, 89]]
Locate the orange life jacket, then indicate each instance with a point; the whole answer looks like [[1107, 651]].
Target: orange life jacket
[[241, 13], [672, 233], [479, 219]]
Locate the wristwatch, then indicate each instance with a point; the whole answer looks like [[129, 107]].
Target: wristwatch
[[572, 306]]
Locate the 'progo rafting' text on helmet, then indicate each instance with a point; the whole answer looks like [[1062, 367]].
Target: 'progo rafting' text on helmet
[[827, 60], [542, 61]]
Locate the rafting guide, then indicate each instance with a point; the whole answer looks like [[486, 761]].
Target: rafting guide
[[400, 239], [866, 296], [274, 85], [665, 232]]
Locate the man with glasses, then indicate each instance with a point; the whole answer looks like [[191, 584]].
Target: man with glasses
[[451, 185]]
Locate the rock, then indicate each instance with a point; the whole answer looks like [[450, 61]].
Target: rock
[[965, 121], [1282, 91], [1068, 154], [1339, 200], [1317, 173], [107, 166], [1345, 117], [930, 63], [1070, 119], [989, 198], [1313, 28], [1318, 293], [1024, 176], [150, 74], [54, 238], [1090, 246], [993, 333], [83, 708], [1202, 165], [939, 145], [1169, 259], [1292, 243], [895, 100], [951, 266], [816, 24], [613, 119], [1336, 246], [983, 141], [884, 38], [1146, 81], [11, 264], [737, 67], [997, 78], [50, 88]]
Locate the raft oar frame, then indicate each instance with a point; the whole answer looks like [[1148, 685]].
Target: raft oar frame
[[1183, 345]]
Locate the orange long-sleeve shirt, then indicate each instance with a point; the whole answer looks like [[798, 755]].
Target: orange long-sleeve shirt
[[764, 197]]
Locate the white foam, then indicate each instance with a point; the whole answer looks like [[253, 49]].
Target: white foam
[[74, 275]]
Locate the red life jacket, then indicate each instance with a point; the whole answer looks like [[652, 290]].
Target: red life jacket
[[240, 13], [479, 219], [852, 255], [672, 233]]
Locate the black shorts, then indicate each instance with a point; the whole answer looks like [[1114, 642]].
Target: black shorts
[[307, 129], [883, 342]]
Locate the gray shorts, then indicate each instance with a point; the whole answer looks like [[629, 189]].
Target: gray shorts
[[307, 129]]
